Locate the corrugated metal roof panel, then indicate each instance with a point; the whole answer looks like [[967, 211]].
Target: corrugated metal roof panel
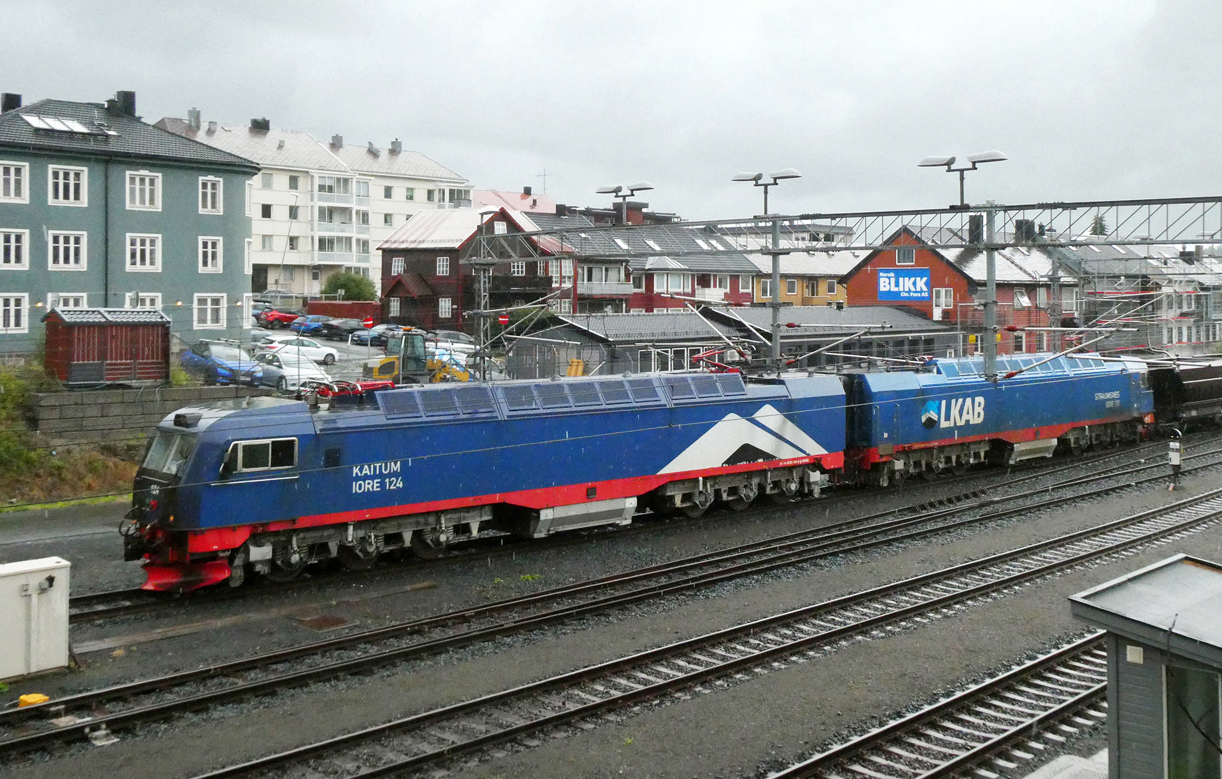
[[104, 316], [408, 164], [657, 326], [444, 229], [300, 151]]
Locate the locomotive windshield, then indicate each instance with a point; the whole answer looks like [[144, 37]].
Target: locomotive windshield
[[168, 453]]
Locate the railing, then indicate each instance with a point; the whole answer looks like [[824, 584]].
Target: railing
[[333, 197], [707, 293], [362, 258], [362, 200], [362, 229], [335, 258], [335, 227], [604, 288]]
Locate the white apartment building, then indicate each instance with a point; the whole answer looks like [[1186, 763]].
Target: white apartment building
[[318, 209]]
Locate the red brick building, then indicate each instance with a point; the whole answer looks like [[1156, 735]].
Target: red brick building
[[948, 286]]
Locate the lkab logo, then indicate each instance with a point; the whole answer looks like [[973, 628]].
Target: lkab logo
[[952, 413]]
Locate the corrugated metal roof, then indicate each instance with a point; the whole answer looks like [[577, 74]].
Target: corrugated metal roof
[[444, 229], [131, 137], [827, 264], [1172, 603], [109, 316], [533, 203], [648, 328], [852, 317], [300, 151], [408, 164]]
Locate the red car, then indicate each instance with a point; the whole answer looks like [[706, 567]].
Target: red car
[[278, 317]]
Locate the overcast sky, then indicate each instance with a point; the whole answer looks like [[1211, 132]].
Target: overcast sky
[[1090, 100]]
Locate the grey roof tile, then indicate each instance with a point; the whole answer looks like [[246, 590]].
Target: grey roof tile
[[273, 148], [132, 137], [409, 164], [660, 325], [851, 318], [104, 316]]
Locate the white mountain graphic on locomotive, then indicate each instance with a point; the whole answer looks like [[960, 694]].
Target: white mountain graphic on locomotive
[[765, 435]]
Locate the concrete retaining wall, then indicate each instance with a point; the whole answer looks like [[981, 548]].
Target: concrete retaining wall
[[114, 415]]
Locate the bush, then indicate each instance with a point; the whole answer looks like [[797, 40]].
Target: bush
[[16, 451], [354, 285]]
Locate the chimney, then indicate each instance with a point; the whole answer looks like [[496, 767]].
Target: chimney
[[193, 118], [211, 127], [9, 102], [337, 141], [126, 102], [396, 146], [1024, 231], [1199, 252], [373, 149], [975, 228], [526, 191], [262, 125]]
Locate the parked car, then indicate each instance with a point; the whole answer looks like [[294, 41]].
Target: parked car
[[278, 317], [309, 325], [374, 336], [305, 347], [340, 329], [220, 362], [264, 340], [258, 307], [285, 373], [450, 345]]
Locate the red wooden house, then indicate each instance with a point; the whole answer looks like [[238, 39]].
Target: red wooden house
[[96, 346]]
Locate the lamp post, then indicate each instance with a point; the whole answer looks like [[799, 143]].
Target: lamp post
[[629, 191], [774, 303], [990, 251]]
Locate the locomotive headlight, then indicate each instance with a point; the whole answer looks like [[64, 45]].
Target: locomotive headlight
[[153, 505]]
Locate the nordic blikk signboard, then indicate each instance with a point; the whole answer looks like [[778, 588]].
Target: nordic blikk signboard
[[903, 283]]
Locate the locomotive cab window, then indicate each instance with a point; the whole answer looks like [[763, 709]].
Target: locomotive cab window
[[266, 455]]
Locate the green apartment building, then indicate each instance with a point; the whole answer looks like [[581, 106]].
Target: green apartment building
[[99, 209]]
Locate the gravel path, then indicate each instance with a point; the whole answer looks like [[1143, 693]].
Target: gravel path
[[779, 716]]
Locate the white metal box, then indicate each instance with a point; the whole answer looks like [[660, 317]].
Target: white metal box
[[34, 615]]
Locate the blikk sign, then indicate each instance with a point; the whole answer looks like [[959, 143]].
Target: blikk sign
[[903, 283]]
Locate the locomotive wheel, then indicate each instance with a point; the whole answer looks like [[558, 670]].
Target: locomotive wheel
[[738, 503], [958, 468], [884, 477], [429, 544], [355, 559], [929, 474], [692, 511], [744, 497], [286, 571]]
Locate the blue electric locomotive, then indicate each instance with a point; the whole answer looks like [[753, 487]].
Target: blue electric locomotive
[[270, 485]]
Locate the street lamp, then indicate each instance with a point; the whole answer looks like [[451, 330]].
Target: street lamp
[[628, 192], [775, 300], [990, 252], [756, 179], [949, 164]]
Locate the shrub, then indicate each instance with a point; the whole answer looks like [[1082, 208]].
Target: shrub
[[354, 285]]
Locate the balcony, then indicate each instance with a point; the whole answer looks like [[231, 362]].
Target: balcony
[[604, 288], [334, 258], [335, 197], [714, 295], [362, 200], [533, 284], [337, 227], [362, 258], [362, 229]]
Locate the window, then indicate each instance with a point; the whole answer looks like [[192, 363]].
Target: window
[[765, 288], [335, 243], [246, 257], [831, 287], [210, 195], [388, 192], [638, 282], [744, 283], [67, 186], [517, 268], [1020, 298], [144, 191], [362, 217], [13, 178], [388, 220], [67, 251], [443, 308], [315, 274], [294, 243], [143, 252], [294, 212], [288, 274], [13, 245], [393, 307], [1069, 300], [905, 256], [247, 456], [266, 180], [334, 186], [143, 300], [362, 246], [721, 282], [396, 266], [943, 297], [499, 228], [294, 182], [431, 196], [13, 316], [443, 266], [210, 312], [566, 305], [265, 210], [362, 189], [1020, 343], [265, 243], [248, 191], [791, 286], [66, 300], [210, 258], [411, 194]]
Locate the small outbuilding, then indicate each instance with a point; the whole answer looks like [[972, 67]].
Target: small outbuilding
[[1164, 640], [89, 347]]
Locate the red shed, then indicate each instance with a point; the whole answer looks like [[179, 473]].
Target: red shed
[[92, 346]]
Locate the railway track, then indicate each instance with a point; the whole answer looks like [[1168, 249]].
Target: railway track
[[989, 729], [96, 607], [516, 719], [141, 701]]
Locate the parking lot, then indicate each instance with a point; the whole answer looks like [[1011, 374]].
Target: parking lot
[[348, 364]]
